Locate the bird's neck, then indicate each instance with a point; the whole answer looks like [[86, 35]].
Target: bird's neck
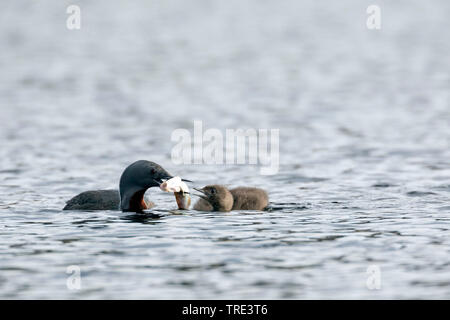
[[137, 202]]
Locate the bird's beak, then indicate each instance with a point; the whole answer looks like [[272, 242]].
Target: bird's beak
[[170, 177], [160, 180], [204, 197]]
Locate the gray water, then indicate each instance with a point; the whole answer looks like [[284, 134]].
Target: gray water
[[364, 118]]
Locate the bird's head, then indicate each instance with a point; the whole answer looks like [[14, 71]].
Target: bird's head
[[136, 179], [218, 196]]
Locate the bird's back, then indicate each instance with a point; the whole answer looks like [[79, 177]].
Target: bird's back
[[95, 200], [246, 198]]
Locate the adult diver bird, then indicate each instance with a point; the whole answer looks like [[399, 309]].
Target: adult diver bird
[[134, 182]]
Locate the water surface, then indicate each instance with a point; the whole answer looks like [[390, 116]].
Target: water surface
[[364, 124]]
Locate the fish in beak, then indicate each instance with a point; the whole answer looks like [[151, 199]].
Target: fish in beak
[[180, 190]]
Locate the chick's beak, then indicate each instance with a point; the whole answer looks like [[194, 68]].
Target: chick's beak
[[204, 196]]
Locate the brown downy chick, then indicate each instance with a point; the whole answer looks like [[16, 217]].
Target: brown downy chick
[[219, 198]]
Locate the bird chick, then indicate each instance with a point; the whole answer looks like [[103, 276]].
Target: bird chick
[[219, 198]]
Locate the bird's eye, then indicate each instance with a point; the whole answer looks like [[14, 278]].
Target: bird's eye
[[153, 171], [213, 191]]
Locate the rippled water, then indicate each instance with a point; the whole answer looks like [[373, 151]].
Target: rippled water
[[364, 120]]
